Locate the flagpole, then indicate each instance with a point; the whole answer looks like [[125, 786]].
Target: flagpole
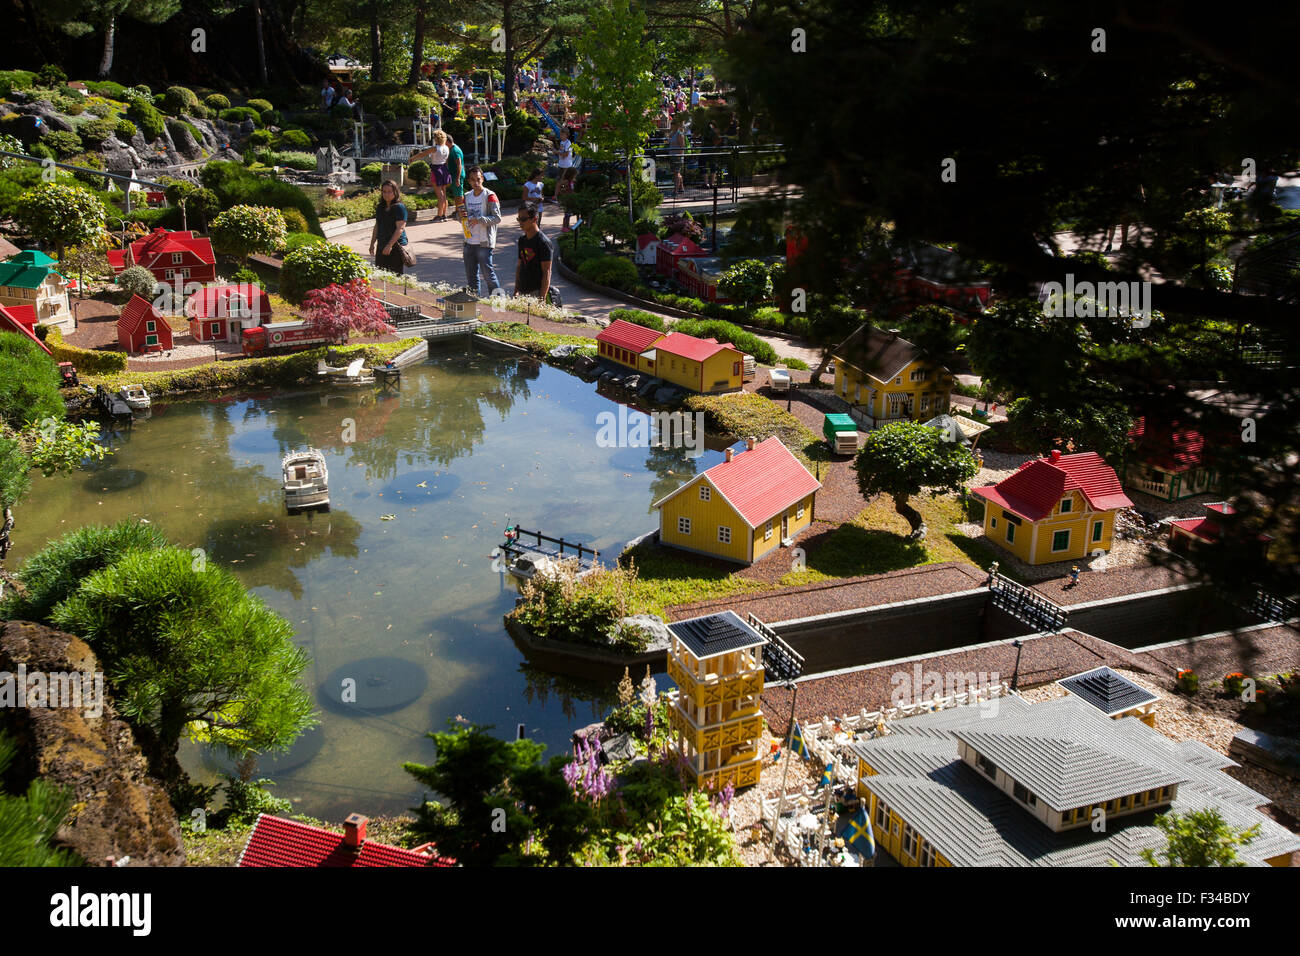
[[780, 806], [826, 816]]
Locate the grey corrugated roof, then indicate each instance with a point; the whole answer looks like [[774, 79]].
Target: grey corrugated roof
[[1109, 692], [714, 634], [1066, 759], [1193, 751], [972, 823]]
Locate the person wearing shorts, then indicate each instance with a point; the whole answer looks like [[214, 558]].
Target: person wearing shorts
[[438, 156]]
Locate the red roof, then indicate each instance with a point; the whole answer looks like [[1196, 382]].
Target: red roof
[[213, 301], [22, 320], [1034, 490], [135, 312], [645, 239], [276, 841], [146, 250], [628, 335], [761, 482], [679, 245], [1171, 448], [689, 347]]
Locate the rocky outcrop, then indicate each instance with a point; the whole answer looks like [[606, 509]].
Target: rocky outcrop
[[117, 808]]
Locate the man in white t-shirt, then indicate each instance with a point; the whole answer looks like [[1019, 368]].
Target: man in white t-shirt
[[482, 213]]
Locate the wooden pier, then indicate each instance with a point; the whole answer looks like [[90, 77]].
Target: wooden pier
[[522, 544]]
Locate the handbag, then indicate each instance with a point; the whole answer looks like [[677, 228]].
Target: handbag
[[408, 256]]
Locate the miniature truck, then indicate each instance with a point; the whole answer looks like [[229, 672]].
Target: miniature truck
[[841, 434], [278, 336]]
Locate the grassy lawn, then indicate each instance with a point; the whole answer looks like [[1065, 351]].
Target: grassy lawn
[[747, 414], [665, 579], [876, 542], [530, 338]]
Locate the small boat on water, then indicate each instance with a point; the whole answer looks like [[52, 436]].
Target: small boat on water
[[354, 373], [306, 480], [526, 560], [136, 397]]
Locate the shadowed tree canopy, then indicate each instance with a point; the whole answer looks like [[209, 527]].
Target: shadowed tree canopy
[[1057, 119]]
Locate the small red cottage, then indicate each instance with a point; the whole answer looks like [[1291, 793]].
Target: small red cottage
[[141, 328], [169, 256], [220, 313], [1188, 533], [22, 320], [276, 841], [673, 249], [647, 248], [1170, 462]]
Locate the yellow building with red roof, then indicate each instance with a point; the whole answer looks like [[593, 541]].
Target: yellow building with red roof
[[1058, 508], [743, 508], [700, 365]]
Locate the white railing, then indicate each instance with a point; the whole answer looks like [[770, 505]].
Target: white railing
[[827, 740]]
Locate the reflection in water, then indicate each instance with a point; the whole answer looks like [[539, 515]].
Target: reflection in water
[[394, 570]]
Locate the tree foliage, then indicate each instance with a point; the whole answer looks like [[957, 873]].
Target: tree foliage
[[247, 230], [137, 280], [29, 821], [903, 458], [1102, 428], [1199, 838], [502, 805], [316, 266], [60, 214], [339, 309]]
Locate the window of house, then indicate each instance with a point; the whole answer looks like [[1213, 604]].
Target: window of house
[[185, 273], [735, 368], [724, 534], [150, 326], [909, 841], [927, 855], [919, 375], [1021, 793], [925, 403], [170, 274], [1096, 531], [1164, 794], [151, 340], [704, 492], [1067, 505], [882, 816], [1060, 540], [1126, 803], [767, 532], [986, 765], [1011, 532], [216, 328], [993, 522], [799, 513], [899, 380], [683, 525], [176, 258]]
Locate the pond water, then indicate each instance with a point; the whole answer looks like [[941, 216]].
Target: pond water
[[409, 605]]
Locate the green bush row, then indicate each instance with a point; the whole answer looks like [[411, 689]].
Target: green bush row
[[727, 332], [270, 157], [637, 317], [236, 186]]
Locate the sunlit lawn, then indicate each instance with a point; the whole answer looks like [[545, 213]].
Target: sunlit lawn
[[664, 580]]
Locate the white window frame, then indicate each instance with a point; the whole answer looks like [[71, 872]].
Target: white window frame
[[704, 493], [177, 258], [683, 525], [724, 534], [154, 342], [170, 274], [1067, 506], [151, 326], [925, 403], [798, 515], [919, 375], [1066, 532], [214, 328], [767, 532]]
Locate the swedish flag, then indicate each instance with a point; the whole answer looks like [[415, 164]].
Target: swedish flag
[[828, 775], [858, 834], [796, 742]]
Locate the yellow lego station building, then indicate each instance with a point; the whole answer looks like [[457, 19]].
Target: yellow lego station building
[[885, 379], [741, 509], [717, 663], [1059, 508], [701, 365]]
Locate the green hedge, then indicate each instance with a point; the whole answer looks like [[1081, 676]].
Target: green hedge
[[727, 332], [270, 157], [236, 186], [237, 114], [611, 271], [637, 317], [87, 361]]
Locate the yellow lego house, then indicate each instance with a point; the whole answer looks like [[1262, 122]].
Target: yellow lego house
[[1059, 508], [717, 663], [884, 378], [700, 365], [741, 509]]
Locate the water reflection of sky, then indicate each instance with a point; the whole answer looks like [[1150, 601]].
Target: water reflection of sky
[[468, 444]]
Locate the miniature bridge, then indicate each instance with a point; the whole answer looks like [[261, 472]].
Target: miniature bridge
[[409, 320]]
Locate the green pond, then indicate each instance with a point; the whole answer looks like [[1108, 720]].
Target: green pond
[[407, 606]]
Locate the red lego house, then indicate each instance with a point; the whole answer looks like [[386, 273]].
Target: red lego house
[[1188, 533], [220, 313], [672, 250], [927, 274], [169, 256], [141, 328], [277, 842], [21, 319]]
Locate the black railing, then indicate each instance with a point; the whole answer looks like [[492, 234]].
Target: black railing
[[1026, 605]]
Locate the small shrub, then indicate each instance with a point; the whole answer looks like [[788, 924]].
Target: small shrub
[[270, 118], [260, 137], [297, 240], [125, 130], [294, 221], [217, 101], [794, 363], [114, 91], [612, 271], [96, 131], [147, 117], [137, 280], [643, 226], [238, 114], [179, 99], [316, 265], [261, 106], [100, 108], [371, 173], [63, 144], [1188, 681], [1232, 683], [420, 172], [51, 75], [293, 139]]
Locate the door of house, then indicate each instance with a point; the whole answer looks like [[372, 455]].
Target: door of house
[[785, 526]]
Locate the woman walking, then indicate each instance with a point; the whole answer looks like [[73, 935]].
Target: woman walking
[[438, 156], [390, 229]]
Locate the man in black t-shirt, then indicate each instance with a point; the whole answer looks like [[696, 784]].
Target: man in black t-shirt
[[533, 272]]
